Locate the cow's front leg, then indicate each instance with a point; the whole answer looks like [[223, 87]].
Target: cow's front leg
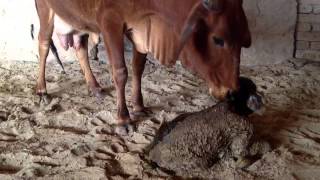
[[138, 65], [112, 30], [82, 55]]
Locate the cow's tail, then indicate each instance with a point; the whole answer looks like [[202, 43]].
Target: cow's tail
[[51, 46], [32, 25], [56, 55], [32, 31]]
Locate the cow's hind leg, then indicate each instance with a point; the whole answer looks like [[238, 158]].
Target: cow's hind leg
[[138, 65], [82, 55], [95, 40], [46, 29]]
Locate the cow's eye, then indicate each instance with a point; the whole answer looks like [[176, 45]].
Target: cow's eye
[[218, 41]]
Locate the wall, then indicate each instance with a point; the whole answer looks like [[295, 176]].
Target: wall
[[308, 30], [15, 39], [272, 23], [16, 17]]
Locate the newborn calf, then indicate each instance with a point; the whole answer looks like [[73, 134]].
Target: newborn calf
[[193, 143]]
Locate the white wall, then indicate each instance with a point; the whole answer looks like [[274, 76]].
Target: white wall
[[16, 17]]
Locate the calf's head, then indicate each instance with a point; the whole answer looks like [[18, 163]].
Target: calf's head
[[213, 34]]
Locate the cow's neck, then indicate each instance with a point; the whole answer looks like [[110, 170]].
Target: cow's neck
[[159, 28]]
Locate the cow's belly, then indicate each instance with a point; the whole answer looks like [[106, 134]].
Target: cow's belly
[[153, 35], [61, 27], [75, 14], [68, 36]]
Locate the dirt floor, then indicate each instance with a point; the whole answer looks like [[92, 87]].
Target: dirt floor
[[73, 137]]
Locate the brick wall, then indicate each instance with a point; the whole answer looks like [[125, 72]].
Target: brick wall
[[308, 30]]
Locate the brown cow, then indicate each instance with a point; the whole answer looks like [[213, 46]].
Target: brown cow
[[206, 35]]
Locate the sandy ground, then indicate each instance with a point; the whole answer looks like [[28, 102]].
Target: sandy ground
[[73, 137]]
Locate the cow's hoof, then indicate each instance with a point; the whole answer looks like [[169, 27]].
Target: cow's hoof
[[98, 92], [45, 99], [124, 130], [141, 114]]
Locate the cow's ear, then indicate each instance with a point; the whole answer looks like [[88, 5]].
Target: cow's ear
[[200, 10], [246, 38], [196, 13]]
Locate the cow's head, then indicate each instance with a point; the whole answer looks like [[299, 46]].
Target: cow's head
[[214, 34]]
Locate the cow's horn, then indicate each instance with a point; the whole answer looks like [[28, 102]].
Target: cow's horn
[[213, 5]]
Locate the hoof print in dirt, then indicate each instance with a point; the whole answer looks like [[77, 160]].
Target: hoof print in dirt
[[52, 105], [4, 115], [194, 143]]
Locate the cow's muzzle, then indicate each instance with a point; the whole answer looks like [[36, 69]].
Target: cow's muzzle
[[220, 93]]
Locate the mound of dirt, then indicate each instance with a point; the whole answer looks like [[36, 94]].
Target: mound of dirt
[[194, 142]]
